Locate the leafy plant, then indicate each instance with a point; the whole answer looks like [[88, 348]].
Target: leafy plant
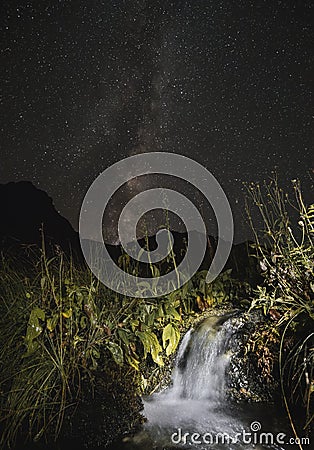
[[57, 324]]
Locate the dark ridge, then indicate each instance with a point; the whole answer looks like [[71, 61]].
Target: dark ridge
[[26, 211]]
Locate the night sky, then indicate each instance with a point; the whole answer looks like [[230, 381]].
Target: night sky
[[87, 83]]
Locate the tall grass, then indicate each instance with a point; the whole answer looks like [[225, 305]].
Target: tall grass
[[286, 254], [50, 339]]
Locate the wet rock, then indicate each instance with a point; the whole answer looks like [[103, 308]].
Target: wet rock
[[245, 380]]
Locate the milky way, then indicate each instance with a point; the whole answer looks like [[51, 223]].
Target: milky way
[[228, 83]]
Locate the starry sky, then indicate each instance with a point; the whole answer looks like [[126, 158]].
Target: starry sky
[[87, 83]]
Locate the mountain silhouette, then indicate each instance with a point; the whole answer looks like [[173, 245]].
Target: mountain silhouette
[[27, 214]]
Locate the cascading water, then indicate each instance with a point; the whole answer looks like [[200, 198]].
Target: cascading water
[[195, 402], [195, 407], [201, 363]]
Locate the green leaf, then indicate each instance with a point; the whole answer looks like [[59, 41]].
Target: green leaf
[[132, 361], [76, 340], [116, 352], [134, 324], [173, 313], [151, 345], [160, 313], [34, 329], [171, 334], [151, 319], [124, 336], [52, 322], [67, 314]]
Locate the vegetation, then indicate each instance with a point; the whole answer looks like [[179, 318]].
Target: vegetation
[[69, 345], [285, 253], [75, 356]]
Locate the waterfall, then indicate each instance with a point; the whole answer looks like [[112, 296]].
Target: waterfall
[[196, 400], [194, 412], [202, 361]]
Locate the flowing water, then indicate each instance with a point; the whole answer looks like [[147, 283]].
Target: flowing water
[[194, 412]]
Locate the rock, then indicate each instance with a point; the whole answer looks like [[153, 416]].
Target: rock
[[246, 381]]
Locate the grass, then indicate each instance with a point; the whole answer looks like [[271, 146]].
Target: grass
[[285, 252], [47, 344]]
